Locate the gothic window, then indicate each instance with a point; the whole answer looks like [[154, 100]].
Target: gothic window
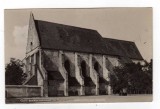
[[37, 58], [67, 66], [96, 67], [32, 59], [83, 69], [31, 45], [62, 59]]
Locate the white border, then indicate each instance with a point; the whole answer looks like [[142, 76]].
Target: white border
[[16, 4]]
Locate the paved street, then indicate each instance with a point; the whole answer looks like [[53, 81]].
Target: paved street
[[84, 99]]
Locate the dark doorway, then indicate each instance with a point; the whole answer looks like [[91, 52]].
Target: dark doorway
[[102, 81], [54, 82], [72, 82], [88, 83]]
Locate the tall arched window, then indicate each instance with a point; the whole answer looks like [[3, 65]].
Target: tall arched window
[[67, 66], [83, 68], [96, 67]]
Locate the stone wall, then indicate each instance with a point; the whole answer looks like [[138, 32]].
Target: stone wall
[[33, 40], [55, 88], [39, 78], [21, 91], [53, 61]]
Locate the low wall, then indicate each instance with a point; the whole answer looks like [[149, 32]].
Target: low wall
[[19, 91]]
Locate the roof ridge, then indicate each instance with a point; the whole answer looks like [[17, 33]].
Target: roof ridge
[[118, 39], [66, 25]]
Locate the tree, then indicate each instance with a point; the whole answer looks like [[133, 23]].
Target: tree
[[134, 77], [14, 72], [149, 74], [119, 79]]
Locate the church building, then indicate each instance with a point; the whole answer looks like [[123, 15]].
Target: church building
[[73, 61]]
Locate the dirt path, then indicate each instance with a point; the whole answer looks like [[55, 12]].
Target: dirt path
[[84, 99]]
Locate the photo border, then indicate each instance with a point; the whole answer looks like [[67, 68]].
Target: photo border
[[18, 4]]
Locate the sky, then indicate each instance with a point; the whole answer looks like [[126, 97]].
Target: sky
[[131, 24]]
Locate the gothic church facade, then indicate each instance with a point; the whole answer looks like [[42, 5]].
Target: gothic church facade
[[66, 60]]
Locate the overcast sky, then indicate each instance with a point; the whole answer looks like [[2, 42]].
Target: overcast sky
[[132, 24]]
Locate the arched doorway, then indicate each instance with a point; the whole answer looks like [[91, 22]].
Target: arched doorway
[[89, 86], [102, 81], [72, 82]]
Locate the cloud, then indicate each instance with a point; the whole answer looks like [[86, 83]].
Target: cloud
[[16, 46], [20, 34]]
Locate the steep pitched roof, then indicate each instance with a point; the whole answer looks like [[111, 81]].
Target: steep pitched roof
[[122, 48], [58, 36], [70, 38]]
